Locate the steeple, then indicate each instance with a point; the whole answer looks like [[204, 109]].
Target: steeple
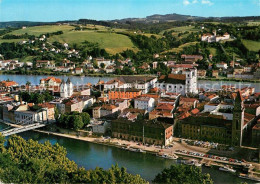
[[238, 101], [68, 81], [238, 120]]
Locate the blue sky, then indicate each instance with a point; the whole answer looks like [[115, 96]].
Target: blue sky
[[54, 10]]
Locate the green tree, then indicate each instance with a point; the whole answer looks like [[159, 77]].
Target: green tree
[[85, 118], [76, 122], [183, 174], [102, 65], [2, 141]]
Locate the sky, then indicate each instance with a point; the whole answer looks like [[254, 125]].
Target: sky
[[56, 10]]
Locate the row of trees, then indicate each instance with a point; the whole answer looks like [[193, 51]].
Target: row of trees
[[35, 97], [73, 120]]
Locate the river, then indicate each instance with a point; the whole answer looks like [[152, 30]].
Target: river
[[76, 80], [90, 156]]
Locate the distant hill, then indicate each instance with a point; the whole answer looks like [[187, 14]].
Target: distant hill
[[177, 17], [18, 24], [157, 18], [161, 18]]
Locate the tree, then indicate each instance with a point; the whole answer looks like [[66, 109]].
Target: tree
[[76, 122], [183, 174], [102, 65], [28, 83], [85, 118], [46, 163], [2, 141]]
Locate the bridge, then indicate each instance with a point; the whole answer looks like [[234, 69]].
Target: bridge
[[21, 129], [24, 124]]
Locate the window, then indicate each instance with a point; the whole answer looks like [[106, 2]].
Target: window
[[237, 124]]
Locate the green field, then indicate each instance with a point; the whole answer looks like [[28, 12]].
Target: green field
[[181, 47], [11, 40], [254, 23], [213, 51], [38, 30], [181, 29], [112, 42], [105, 37], [252, 45]]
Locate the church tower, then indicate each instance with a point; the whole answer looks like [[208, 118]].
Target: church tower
[[238, 120], [63, 89], [70, 87]]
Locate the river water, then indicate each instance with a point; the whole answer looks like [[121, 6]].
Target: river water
[[90, 156], [76, 80]]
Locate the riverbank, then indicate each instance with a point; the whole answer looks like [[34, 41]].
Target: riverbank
[[149, 149], [35, 73]]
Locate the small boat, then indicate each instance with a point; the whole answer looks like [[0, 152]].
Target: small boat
[[193, 162], [244, 176], [163, 155], [133, 149], [227, 169], [173, 157], [141, 151]]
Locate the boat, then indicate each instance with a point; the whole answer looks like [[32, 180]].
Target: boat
[[141, 151], [227, 169], [244, 176], [133, 149], [193, 162], [173, 157], [163, 156]]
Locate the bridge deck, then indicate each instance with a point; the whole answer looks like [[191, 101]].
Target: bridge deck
[[22, 129]]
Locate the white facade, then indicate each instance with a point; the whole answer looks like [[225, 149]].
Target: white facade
[[188, 84], [66, 89], [100, 128], [145, 103], [222, 65], [214, 38], [105, 62], [123, 83]]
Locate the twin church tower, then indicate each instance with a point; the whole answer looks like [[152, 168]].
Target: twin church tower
[[66, 89]]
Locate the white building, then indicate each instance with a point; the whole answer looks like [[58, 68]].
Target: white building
[[222, 65], [105, 62], [138, 82], [145, 103], [100, 127], [214, 38], [183, 83], [66, 89]]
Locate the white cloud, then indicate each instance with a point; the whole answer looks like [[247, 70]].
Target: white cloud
[[186, 2], [208, 2]]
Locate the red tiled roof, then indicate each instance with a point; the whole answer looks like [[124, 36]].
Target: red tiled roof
[[184, 115], [195, 111], [52, 78], [8, 83], [183, 99], [165, 106]]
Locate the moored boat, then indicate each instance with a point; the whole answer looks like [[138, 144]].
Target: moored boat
[[244, 176], [227, 169]]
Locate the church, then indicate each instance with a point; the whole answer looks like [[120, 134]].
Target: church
[[226, 124], [66, 89]]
